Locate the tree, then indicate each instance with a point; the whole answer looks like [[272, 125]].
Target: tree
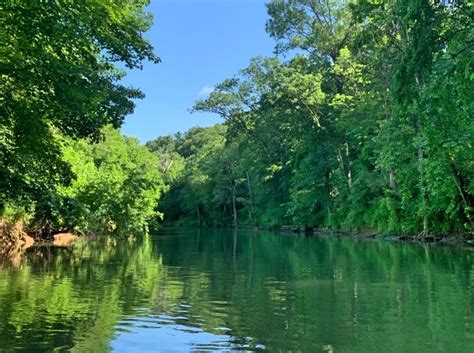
[[58, 76], [363, 122], [116, 189]]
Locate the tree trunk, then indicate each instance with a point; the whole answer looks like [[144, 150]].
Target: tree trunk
[[234, 206], [424, 194], [341, 161], [421, 168], [349, 168], [461, 186], [392, 180], [249, 185], [345, 170], [198, 215]]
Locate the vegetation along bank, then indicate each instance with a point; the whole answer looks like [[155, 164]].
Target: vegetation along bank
[[362, 121]]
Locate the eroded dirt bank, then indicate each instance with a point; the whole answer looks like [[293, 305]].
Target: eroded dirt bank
[[14, 241]]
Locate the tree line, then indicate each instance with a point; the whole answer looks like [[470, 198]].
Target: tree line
[[363, 120]]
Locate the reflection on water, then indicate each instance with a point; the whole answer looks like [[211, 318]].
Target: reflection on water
[[224, 291]]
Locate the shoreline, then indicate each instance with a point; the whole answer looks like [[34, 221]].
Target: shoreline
[[463, 240], [15, 240]]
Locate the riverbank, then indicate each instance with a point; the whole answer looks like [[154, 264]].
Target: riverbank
[[441, 239], [15, 240]]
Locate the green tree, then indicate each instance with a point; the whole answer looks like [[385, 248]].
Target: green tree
[[58, 75], [363, 122], [117, 187]]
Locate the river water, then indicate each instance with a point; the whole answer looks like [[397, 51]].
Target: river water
[[181, 291]]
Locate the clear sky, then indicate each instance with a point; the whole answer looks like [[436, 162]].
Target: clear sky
[[200, 42]]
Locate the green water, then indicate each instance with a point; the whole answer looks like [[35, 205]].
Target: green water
[[214, 290]]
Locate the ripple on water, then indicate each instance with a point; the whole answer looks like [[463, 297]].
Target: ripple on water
[[218, 292], [165, 333]]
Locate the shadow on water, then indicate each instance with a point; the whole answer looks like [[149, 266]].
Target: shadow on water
[[238, 291]]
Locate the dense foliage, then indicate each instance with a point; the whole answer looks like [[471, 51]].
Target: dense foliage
[[59, 87], [117, 186], [364, 120]]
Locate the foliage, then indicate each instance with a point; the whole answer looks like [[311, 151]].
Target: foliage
[[59, 81], [364, 121], [117, 186]]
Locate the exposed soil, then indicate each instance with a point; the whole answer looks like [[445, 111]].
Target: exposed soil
[[14, 241]]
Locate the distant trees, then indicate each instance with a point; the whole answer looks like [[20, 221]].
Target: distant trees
[[116, 188], [195, 174], [366, 125]]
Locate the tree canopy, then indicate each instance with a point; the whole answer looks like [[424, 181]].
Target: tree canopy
[[60, 69], [362, 121]]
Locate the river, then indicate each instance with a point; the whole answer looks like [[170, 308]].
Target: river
[[210, 290]]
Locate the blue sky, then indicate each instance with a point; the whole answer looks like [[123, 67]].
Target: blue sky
[[200, 42]]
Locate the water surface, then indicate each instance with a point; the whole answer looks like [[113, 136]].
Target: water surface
[[238, 291]]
